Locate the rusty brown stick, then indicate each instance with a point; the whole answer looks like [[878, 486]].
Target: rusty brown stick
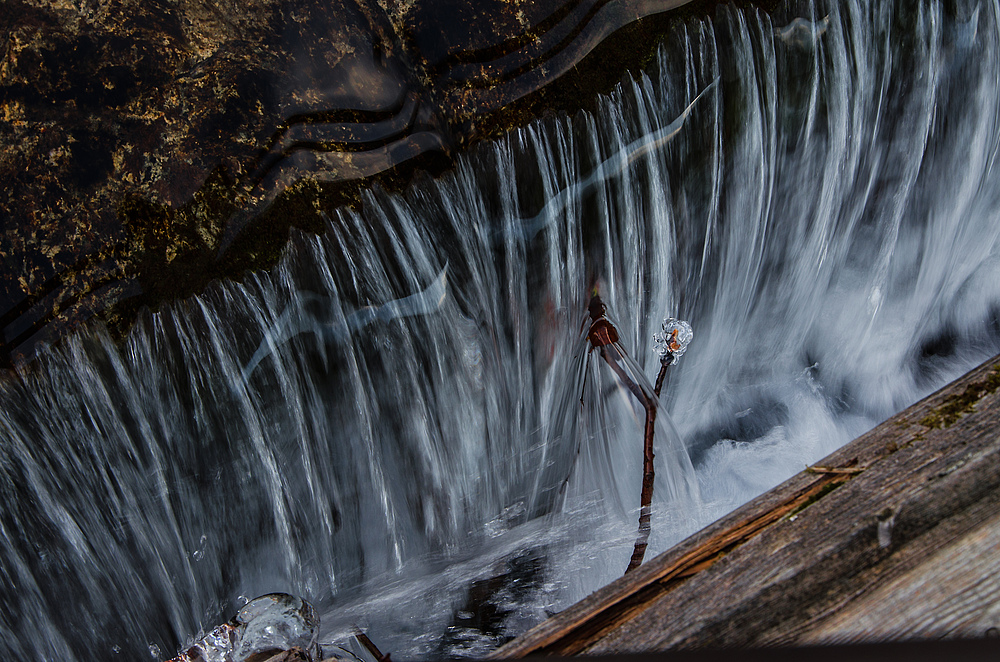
[[601, 334], [636, 390], [834, 470], [646, 498], [648, 473], [659, 378], [370, 645]]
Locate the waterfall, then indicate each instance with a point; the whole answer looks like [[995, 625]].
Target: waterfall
[[402, 422]]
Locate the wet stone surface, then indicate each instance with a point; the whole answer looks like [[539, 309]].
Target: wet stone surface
[[151, 147], [132, 131]]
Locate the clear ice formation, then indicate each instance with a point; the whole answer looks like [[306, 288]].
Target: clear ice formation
[[672, 340], [269, 624], [276, 622]]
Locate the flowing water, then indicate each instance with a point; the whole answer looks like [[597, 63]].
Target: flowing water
[[402, 423]]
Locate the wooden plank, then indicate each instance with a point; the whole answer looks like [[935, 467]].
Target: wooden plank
[[566, 635], [954, 593], [775, 569]]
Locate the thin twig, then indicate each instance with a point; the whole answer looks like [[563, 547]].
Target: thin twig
[[659, 378], [835, 470], [370, 645], [603, 333], [640, 395], [646, 499]]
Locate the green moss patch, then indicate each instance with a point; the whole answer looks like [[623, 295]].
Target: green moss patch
[[963, 403]]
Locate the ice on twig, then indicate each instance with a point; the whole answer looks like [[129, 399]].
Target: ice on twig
[[270, 623], [276, 622], [672, 340]]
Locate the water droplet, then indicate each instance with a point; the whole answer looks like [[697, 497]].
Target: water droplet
[[154, 651], [199, 553]]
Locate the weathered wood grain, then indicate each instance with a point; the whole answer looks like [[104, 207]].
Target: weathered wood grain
[[954, 593], [822, 553]]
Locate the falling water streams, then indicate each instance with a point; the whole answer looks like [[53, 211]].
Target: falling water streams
[[448, 469]]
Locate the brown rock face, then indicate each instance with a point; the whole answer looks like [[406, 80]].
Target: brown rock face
[[150, 147]]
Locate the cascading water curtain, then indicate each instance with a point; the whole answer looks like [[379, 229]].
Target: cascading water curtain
[[402, 422]]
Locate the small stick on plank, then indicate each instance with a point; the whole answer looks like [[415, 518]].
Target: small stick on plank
[[834, 470], [849, 468]]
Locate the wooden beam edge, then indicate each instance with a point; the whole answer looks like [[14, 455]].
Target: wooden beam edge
[[572, 630]]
